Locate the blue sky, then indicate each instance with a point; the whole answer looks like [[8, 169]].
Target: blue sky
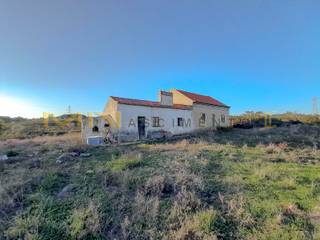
[[250, 54]]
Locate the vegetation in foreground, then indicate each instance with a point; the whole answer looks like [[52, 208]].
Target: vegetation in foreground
[[238, 184]]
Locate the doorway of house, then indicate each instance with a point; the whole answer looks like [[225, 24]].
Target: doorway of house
[[141, 127], [213, 120]]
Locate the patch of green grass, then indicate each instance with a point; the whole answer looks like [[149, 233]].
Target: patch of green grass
[[268, 186], [52, 183], [124, 163], [45, 218]]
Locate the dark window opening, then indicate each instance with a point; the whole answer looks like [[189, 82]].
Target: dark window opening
[[95, 129], [180, 122], [223, 118], [155, 122], [106, 125], [202, 120]]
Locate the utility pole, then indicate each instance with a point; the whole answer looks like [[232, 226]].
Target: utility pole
[[69, 109], [315, 106]]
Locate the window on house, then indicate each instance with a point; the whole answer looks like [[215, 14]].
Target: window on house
[[223, 118], [106, 125], [95, 129], [202, 120], [155, 122], [180, 122]]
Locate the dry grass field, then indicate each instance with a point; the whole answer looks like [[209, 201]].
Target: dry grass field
[[233, 184]]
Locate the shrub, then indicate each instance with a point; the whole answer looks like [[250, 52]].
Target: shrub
[[12, 153], [1, 166], [199, 226], [52, 183], [316, 187], [296, 218], [288, 183], [85, 222]]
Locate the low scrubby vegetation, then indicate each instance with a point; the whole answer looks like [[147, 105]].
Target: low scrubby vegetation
[[22, 128], [261, 119], [232, 184]]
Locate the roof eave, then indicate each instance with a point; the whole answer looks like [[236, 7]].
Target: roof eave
[[223, 106], [155, 106]]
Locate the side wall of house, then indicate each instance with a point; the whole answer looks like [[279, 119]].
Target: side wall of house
[[111, 111], [168, 120], [179, 98], [211, 113]]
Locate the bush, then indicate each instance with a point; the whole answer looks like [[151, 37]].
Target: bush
[[85, 222], [199, 226], [12, 153], [316, 187]]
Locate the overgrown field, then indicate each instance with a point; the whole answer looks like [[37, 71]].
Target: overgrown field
[[236, 184], [22, 128]]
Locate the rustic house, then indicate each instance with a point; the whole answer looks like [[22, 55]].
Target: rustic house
[[176, 112]]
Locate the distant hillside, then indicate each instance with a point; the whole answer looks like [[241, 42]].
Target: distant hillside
[[21, 128]]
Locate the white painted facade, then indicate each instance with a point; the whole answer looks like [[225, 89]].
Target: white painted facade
[[215, 116], [174, 114], [168, 119]]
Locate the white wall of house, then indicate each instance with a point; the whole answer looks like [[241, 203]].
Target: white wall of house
[[123, 118], [169, 119], [210, 111], [88, 124]]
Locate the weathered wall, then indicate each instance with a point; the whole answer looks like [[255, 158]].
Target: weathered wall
[[111, 109], [168, 116], [165, 98], [89, 123], [209, 110]]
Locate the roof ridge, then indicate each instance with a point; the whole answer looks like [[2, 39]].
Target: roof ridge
[[136, 99], [195, 97], [131, 101], [192, 93]]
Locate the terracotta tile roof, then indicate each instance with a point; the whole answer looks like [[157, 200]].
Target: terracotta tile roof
[[146, 103], [197, 98]]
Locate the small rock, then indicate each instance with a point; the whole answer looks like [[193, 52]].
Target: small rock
[[67, 191], [85, 154], [3, 158], [64, 158], [36, 163], [74, 154]]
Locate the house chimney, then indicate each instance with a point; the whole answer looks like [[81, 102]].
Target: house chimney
[[165, 98]]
